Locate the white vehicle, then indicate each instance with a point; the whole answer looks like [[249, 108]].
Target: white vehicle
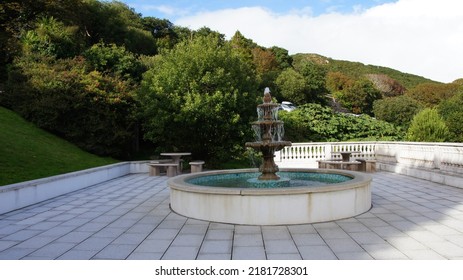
[[287, 106]]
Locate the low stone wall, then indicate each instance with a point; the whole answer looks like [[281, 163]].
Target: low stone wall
[[437, 162], [16, 196]]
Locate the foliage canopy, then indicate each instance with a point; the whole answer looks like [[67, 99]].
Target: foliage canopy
[[199, 98]]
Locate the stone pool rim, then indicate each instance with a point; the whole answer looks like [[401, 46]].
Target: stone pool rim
[[278, 206], [180, 182]]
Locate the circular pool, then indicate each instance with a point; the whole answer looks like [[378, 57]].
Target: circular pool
[[313, 195]]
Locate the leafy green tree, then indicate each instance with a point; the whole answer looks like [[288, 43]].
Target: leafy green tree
[[284, 60], [359, 97], [200, 98], [112, 59], [52, 38], [451, 112], [314, 75], [428, 126], [292, 86], [398, 110]]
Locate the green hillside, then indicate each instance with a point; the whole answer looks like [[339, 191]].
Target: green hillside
[[27, 152], [357, 69]]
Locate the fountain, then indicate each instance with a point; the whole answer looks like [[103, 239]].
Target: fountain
[[269, 134], [270, 196]]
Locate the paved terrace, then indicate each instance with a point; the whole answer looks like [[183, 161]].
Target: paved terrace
[[129, 218]]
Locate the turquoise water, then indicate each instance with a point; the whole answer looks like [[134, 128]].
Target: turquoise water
[[244, 180]]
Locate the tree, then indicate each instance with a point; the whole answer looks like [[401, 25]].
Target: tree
[[52, 38], [451, 112], [97, 112], [428, 126], [314, 75], [337, 81], [203, 90], [292, 86], [386, 85], [431, 94], [398, 110], [115, 60], [359, 97], [284, 60]]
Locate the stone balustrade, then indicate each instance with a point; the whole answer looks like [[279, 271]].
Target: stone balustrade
[[438, 162]]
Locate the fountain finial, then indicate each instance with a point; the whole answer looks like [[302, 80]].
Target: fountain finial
[[267, 97]]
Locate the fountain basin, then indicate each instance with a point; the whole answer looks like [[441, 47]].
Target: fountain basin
[[271, 206]]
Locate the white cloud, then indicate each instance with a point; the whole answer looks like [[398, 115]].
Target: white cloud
[[423, 37]]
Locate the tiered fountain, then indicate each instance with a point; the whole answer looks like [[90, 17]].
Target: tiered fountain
[[269, 133], [245, 196]]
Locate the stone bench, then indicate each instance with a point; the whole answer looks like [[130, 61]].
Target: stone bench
[[339, 164], [151, 170], [155, 169], [196, 166], [367, 165]]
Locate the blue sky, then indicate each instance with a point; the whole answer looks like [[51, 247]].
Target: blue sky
[[422, 37], [173, 9]]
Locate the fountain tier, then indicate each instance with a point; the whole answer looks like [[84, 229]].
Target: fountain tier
[[269, 132]]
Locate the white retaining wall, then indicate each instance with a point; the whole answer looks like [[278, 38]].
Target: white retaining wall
[[16, 196]]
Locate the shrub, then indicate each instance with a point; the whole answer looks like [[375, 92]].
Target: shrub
[[398, 110], [428, 126], [313, 122]]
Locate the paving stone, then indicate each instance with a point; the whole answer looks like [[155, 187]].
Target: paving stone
[[219, 234], [384, 252], [52, 250], [248, 253], [74, 254], [316, 252], [5, 244], [342, 245], [181, 253], [115, 252], [213, 256], [188, 240], [279, 246], [145, 256], [423, 255], [354, 256], [216, 247], [252, 240], [307, 239], [284, 257], [369, 237], [161, 233]]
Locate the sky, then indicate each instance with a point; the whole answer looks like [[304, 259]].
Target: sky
[[421, 37]]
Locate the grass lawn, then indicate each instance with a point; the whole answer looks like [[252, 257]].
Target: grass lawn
[[27, 152]]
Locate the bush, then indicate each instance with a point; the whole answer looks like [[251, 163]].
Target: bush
[[428, 126], [313, 122]]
